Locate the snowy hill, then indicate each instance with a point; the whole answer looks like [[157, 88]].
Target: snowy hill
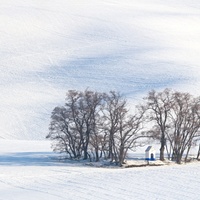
[[48, 47], [29, 169]]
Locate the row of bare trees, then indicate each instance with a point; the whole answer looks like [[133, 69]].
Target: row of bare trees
[[175, 118], [93, 125]]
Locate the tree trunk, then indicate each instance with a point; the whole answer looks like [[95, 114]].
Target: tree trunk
[[85, 152], [168, 152], [110, 151], [178, 159], [162, 148], [121, 155], [188, 150], [97, 155], [198, 154]]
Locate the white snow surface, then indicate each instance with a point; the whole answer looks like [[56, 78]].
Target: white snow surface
[[49, 47], [29, 170]]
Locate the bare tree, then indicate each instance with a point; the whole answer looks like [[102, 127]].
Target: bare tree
[[89, 109], [73, 124], [185, 124], [158, 107], [115, 104], [123, 128], [62, 131], [130, 131]]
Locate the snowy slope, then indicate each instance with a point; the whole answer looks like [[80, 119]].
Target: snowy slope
[[59, 183], [48, 47], [27, 171]]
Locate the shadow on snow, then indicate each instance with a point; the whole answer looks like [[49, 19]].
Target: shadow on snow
[[31, 159]]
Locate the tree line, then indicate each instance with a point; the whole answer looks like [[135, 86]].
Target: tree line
[[93, 125]]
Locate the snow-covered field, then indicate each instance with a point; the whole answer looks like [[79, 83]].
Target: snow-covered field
[[49, 47], [28, 170]]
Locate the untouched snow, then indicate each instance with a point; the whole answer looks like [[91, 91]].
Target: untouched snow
[[24, 175], [49, 47]]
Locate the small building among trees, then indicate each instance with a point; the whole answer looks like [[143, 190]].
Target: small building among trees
[[150, 153]]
